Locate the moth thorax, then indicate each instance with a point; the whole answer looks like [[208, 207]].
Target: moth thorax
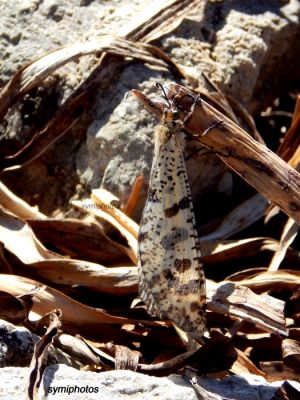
[[170, 116]]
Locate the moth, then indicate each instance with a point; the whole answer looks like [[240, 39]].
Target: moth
[[171, 278]]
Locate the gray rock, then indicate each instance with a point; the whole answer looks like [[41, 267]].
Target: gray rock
[[62, 382], [17, 344]]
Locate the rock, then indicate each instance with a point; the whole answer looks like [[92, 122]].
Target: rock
[[62, 382], [16, 347]]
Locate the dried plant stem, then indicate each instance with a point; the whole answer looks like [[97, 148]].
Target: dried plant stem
[[254, 162]]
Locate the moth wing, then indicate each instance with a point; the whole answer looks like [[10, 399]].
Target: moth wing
[[172, 283]]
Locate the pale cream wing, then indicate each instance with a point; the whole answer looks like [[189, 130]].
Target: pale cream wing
[[172, 283]]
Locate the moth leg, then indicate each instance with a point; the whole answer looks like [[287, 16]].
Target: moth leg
[[196, 100], [211, 127]]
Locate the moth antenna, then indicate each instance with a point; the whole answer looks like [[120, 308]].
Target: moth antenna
[[160, 86]]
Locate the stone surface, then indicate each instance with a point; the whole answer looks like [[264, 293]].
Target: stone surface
[[122, 385], [16, 347]]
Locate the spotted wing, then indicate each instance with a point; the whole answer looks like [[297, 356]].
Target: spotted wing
[[172, 283]]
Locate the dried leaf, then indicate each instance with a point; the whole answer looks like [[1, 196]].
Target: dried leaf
[[291, 353], [79, 239], [116, 280], [19, 239], [105, 200], [243, 365], [240, 218], [77, 348], [14, 309], [216, 251], [37, 365], [276, 280], [126, 358], [289, 233], [47, 298], [131, 239], [17, 206], [240, 302]]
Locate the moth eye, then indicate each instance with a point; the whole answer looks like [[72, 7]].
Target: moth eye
[[176, 114]]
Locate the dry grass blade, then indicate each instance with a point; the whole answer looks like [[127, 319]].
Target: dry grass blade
[[17, 206], [165, 19], [289, 234], [254, 162], [291, 353], [240, 302], [272, 280], [240, 218], [38, 365], [18, 238], [216, 251], [117, 280], [15, 309], [131, 239], [134, 196], [47, 298], [84, 239], [105, 200]]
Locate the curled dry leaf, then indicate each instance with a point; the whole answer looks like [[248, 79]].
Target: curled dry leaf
[[117, 280], [14, 309], [77, 348], [80, 239], [131, 239], [31, 75], [38, 365], [239, 218], [240, 302], [105, 200], [17, 206], [18, 238], [289, 233], [243, 365], [47, 298], [291, 353], [276, 280], [215, 251]]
